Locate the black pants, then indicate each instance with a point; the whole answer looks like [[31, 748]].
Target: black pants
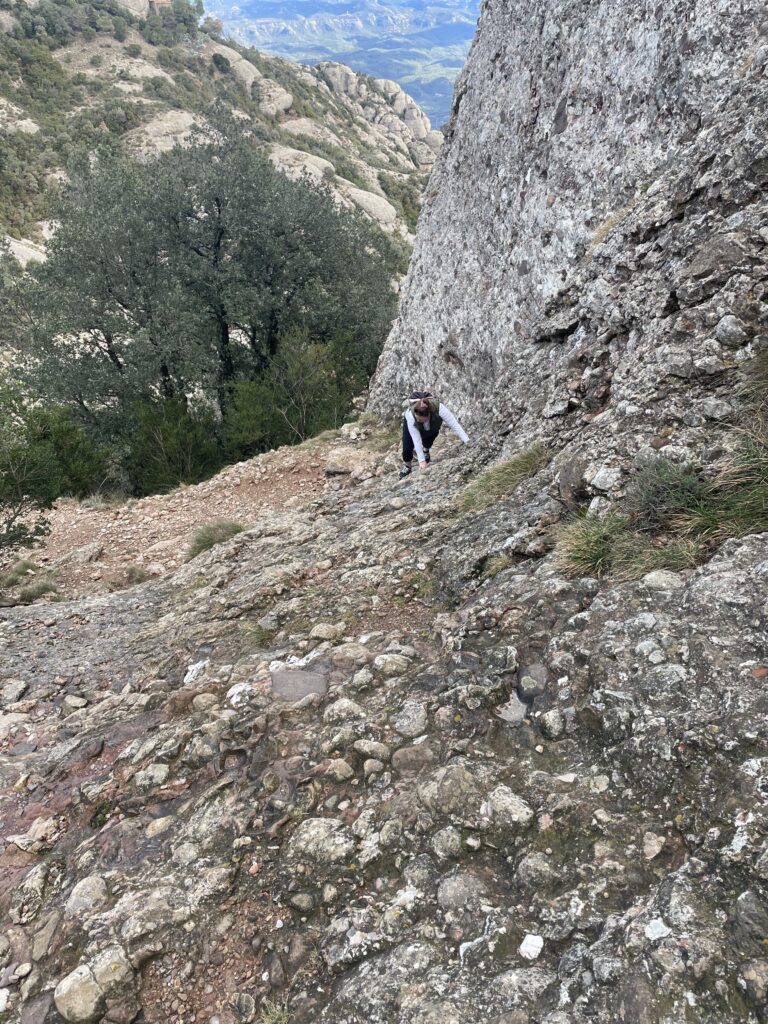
[[427, 437]]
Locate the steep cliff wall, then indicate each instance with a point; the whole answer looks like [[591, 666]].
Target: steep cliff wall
[[599, 199]]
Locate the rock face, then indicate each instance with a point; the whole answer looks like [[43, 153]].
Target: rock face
[[385, 760], [598, 199]]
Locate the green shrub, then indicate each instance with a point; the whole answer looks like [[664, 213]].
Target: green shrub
[[661, 491], [133, 50], [211, 534], [171, 446], [405, 195], [503, 479]]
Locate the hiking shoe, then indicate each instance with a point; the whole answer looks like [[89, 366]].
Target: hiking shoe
[[404, 472], [426, 457]]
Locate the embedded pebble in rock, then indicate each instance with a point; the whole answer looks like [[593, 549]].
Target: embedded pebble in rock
[[343, 710], [552, 723], [391, 664], [339, 770], [508, 810], [413, 758], [370, 748], [411, 720], [447, 843], [154, 775], [322, 841], [328, 631], [79, 999], [531, 947], [89, 894]]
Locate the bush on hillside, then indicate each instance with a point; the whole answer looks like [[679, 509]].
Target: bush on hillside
[[170, 445]]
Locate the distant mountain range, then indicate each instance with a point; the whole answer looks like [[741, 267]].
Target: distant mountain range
[[420, 44]]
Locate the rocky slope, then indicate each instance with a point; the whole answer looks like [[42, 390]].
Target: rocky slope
[[147, 89], [378, 760], [324, 766]]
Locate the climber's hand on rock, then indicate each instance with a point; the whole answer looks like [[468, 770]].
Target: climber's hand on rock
[[423, 465]]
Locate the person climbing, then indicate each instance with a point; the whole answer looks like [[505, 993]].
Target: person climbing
[[424, 416]]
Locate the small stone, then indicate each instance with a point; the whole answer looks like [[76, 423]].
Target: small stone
[[413, 758], [661, 579], [730, 332], [552, 723], [411, 720], [343, 710], [339, 770], [656, 929], [508, 810], [328, 631], [111, 968], [372, 767], [369, 748], [78, 998], [158, 826], [154, 775], [391, 664], [652, 845], [89, 894], [531, 947], [322, 840], [607, 478], [447, 843], [204, 701]]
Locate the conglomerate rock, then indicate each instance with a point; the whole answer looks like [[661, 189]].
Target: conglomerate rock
[[350, 761], [377, 841]]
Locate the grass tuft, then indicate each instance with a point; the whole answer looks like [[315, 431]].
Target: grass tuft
[[738, 500], [495, 565], [37, 589], [211, 534], [501, 480], [661, 491], [592, 546], [17, 573], [273, 1013], [586, 544], [136, 574]]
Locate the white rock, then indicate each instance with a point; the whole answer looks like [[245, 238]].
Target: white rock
[[531, 947]]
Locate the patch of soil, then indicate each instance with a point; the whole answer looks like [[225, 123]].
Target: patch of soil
[[93, 549]]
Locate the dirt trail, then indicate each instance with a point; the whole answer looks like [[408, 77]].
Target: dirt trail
[[92, 549]]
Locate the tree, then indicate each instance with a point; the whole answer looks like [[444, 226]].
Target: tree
[[43, 454], [182, 274]]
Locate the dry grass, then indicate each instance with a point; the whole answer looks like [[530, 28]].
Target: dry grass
[[211, 534], [17, 573], [502, 480], [495, 565], [37, 589], [273, 1013]]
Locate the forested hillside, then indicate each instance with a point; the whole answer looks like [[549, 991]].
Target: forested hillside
[[76, 75], [219, 235]]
